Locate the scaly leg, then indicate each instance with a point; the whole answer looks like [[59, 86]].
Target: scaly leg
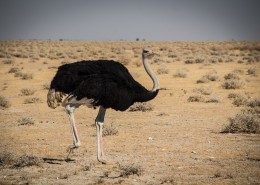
[[76, 141], [99, 125]]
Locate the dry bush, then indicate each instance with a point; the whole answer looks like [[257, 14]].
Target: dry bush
[[203, 79], [163, 70], [252, 71], [244, 122], [14, 70], [250, 60], [27, 76], [233, 95], [203, 91], [27, 160], [212, 77], [196, 98], [24, 76], [239, 101], [9, 61], [110, 130], [4, 102], [132, 169], [141, 106], [199, 60], [233, 84], [253, 102], [46, 86], [27, 91], [18, 74], [213, 100], [6, 158], [232, 76], [25, 121], [172, 56], [208, 77], [168, 180], [180, 73], [189, 61], [32, 100]]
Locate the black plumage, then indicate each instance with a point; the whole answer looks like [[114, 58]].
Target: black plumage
[[107, 82]]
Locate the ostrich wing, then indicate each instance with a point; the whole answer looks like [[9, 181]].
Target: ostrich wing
[[107, 90]]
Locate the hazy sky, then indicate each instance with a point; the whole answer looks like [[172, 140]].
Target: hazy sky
[[175, 20]]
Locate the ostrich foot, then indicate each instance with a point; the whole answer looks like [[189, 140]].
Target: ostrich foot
[[71, 149], [103, 161]]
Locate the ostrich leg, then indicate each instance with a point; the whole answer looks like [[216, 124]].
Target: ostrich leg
[[99, 125], [76, 141]]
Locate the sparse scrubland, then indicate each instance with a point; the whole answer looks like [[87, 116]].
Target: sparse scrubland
[[202, 128]]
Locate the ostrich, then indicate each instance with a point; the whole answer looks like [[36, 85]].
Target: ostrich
[[103, 83]]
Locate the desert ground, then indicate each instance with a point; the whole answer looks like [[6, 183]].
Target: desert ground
[[202, 128]]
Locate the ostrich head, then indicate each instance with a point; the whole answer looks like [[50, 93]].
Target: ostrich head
[[148, 53]]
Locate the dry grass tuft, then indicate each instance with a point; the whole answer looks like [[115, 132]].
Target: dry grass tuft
[[27, 91], [26, 121], [163, 70], [180, 74], [212, 100], [110, 130], [24, 76], [127, 170], [203, 91], [144, 107], [168, 180], [32, 100], [196, 98], [189, 61], [27, 76], [4, 102]]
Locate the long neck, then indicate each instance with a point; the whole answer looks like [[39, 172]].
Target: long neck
[[148, 95], [147, 68]]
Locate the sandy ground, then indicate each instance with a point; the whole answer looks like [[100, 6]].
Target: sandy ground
[[178, 142]]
